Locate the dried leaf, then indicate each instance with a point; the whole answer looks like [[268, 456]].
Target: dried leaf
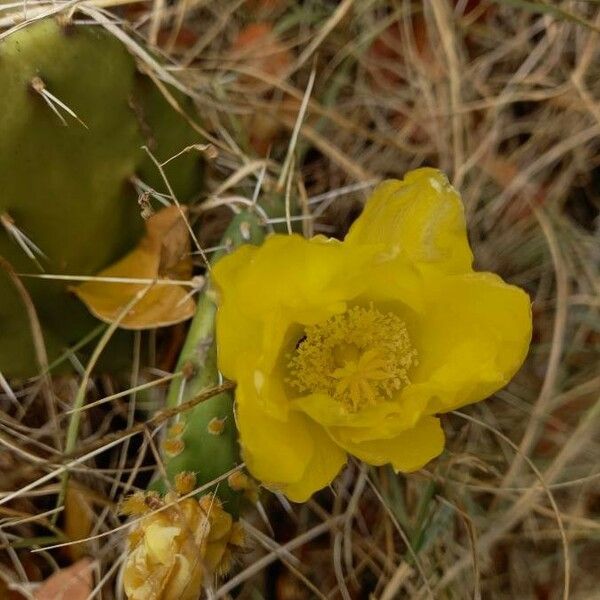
[[73, 583], [78, 519], [163, 253], [257, 47], [265, 8], [7, 594], [170, 237]]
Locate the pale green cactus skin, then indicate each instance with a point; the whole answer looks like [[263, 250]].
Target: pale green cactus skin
[[68, 187]]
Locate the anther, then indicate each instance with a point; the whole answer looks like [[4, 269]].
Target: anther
[[359, 358]]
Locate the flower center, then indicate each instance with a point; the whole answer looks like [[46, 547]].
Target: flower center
[[360, 358]]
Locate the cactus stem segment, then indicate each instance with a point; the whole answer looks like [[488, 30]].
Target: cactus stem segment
[[210, 435]]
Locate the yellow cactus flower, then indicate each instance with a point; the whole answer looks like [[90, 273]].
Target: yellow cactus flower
[[353, 347], [171, 552]]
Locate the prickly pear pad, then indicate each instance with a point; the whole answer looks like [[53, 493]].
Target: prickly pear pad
[[66, 182]]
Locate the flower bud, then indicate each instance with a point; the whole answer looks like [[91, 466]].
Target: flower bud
[[173, 550]]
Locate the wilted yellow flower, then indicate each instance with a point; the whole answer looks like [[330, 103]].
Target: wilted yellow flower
[[171, 552], [163, 253], [355, 346]]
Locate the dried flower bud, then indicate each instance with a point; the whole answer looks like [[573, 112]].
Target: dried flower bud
[[172, 551]]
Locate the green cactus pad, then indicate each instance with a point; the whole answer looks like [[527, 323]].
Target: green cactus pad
[[67, 188]]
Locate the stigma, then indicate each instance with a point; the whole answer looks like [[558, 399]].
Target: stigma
[[359, 358]]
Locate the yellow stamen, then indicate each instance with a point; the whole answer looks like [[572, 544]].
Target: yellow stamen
[[360, 358]]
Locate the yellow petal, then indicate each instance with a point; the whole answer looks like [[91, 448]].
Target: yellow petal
[[160, 542], [294, 456], [396, 285], [162, 252], [248, 344], [274, 451], [185, 580], [474, 338], [305, 278], [220, 524], [420, 218], [408, 451], [327, 460], [385, 418]]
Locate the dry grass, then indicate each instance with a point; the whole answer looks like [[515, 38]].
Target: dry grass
[[505, 97]]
